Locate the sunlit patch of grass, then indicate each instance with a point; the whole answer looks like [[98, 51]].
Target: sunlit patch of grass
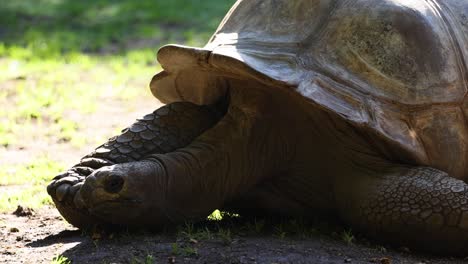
[[27, 196], [216, 215], [37, 172], [60, 260], [7, 136], [25, 185], [67, 128], [50, 28], [44, 94]]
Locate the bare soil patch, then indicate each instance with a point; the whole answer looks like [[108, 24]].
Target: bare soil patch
[[112, 115], [40, 237]]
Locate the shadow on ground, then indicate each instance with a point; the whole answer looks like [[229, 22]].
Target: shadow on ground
[[41, 237]]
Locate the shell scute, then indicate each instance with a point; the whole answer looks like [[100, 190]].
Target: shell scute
[[395, 50], [390, 66]]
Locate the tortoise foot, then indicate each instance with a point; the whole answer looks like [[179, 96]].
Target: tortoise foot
[[65, 192], [170, 127]]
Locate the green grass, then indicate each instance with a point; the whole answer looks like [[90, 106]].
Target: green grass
[[26, 184], [148, 260], [185, 251], [347, 236], [33, 173], [60, 260], [50, 28], [42, 93], [60, 59]]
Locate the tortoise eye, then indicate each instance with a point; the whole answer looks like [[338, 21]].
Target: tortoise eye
[[114, 183]]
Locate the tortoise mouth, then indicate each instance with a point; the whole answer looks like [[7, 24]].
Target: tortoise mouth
[[116, 206]]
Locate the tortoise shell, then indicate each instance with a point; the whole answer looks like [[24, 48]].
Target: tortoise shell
[[396, 67]]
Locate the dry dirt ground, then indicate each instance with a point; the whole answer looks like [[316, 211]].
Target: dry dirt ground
[[40, 237], [43, 235]]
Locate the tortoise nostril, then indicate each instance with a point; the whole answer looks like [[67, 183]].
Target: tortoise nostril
[[114, 184]]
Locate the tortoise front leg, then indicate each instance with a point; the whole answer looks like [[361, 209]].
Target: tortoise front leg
[[168, 128], [419, 207], [227, 160]]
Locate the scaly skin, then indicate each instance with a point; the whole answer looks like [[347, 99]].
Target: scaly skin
[[168, 128], [258, 157], [413, 206], [189, 183]]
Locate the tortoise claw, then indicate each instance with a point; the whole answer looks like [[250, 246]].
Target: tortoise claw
[[83, 171], [94, 163], [62, 192], [74, 190], [61, 175], [72, 180], [78, 201], [76, 187], [76, 174], [61, 186], [51, 187]]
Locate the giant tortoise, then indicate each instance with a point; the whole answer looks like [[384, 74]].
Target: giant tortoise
[[353, 109]]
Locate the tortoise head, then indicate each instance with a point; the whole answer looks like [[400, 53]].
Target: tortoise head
[[120, 193]]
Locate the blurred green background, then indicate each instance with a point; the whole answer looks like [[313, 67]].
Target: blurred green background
[[74, 73]]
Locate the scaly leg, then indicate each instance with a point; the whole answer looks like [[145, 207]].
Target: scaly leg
[[419, 207], [225, 161], [170, 127]]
